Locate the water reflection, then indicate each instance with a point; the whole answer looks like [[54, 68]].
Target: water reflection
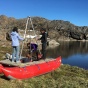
[[74, 53]]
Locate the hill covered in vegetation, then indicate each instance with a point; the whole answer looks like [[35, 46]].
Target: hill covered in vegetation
[[57, 29]]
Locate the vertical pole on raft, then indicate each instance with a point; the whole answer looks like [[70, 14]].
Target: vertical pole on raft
[[24, 36], [34, 33]]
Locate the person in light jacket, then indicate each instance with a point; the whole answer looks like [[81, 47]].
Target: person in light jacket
[[15, 37]]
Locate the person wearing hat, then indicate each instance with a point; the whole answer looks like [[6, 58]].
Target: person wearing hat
[[44, 42]]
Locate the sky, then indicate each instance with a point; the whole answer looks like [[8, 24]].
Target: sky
[[75, 11]]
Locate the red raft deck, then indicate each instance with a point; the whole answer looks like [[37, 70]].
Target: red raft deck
[[30, 69]]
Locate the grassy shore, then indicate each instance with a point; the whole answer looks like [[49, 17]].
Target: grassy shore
[[64, 77]]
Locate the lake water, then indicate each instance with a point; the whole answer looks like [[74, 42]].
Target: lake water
[[74, 53]]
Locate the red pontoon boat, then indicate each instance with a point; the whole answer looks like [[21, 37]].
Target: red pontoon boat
[[30, 69]]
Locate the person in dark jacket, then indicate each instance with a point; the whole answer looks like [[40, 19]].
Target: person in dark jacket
[[15, 37], [44, 42]]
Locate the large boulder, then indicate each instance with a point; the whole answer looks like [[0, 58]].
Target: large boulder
[[53, 43]]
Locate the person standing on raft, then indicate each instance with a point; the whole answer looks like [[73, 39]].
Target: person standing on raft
[[15, 37]]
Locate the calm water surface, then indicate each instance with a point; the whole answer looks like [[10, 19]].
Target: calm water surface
[[74, 53]]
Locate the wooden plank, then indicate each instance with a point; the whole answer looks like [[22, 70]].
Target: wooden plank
[[8, 62]]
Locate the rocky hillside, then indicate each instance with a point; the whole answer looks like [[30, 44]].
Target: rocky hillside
[[57, 29]]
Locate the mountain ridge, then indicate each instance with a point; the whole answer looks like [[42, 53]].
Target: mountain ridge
[[57, 29]]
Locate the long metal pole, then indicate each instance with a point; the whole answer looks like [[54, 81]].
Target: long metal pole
[[24, 37], [34, 33], [32, 26]]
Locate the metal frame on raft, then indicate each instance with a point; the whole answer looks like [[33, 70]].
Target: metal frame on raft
[[29, 19]]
